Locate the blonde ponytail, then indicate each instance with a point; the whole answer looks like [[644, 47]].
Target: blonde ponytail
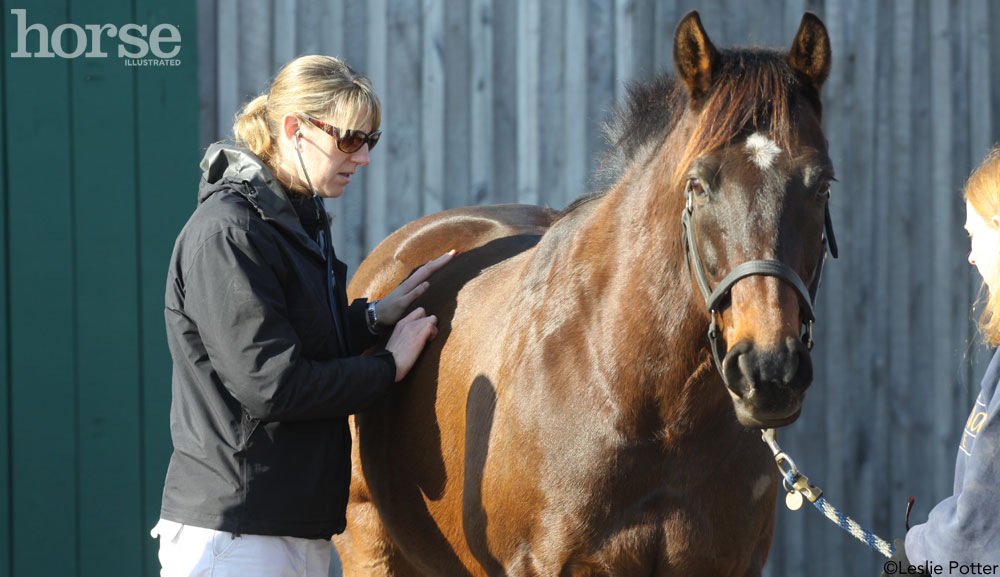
[[320, 86], [252, 130]]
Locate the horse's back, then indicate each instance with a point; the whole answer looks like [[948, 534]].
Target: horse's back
[[462, 229]]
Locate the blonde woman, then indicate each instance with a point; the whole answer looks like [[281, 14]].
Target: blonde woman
[[264, 344], [962, 533]]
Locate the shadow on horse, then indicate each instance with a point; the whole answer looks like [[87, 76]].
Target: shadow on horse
[[574, 416]]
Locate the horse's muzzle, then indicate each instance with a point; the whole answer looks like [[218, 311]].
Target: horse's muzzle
[[768, 384]]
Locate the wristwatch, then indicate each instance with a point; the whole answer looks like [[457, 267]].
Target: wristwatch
[[372, 317]]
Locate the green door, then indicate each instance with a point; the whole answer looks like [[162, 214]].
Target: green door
[[99, 153]]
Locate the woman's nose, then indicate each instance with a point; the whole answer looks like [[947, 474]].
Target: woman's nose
[[972, 261], [361, 156]]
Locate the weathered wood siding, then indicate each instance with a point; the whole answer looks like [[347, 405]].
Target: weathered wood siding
[[490, 101]]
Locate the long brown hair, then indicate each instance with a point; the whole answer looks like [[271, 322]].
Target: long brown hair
[[982, 192]]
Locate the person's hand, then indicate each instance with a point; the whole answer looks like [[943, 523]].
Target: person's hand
[[390, 309], [408, 339]]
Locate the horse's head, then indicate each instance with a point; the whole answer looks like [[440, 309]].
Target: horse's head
[[756, 176]]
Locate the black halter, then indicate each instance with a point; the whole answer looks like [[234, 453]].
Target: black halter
[[764, 267]]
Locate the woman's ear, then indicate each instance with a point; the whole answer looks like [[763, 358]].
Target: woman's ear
[[290, 125]]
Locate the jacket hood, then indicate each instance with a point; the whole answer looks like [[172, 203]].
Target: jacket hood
[[227, 166]]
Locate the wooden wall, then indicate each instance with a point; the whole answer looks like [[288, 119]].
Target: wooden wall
[[489, 101]]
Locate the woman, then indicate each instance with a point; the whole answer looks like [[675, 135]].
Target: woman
[[264, 345], [963, 531]]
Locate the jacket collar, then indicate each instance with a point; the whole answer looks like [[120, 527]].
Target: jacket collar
[[227, 166]]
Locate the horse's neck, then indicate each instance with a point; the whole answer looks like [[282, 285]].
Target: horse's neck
[[614, 270]]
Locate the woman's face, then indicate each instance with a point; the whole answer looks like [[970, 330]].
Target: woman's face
[[984, 235], [330, 169]]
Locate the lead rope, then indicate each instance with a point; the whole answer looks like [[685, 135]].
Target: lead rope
[[797, 485]]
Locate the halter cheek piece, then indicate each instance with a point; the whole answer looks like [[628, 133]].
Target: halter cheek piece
[[763, 267]]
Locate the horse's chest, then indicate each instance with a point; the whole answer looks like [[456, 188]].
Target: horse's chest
[[635, 510]]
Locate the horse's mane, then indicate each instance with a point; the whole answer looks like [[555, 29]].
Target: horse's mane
[[756, 89]]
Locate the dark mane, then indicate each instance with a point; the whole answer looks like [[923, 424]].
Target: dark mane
[[756, 90]]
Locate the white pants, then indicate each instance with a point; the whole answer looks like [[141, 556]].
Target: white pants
[[188, 551]]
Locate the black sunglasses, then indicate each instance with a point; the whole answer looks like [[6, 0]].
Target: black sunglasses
[[348, 141]]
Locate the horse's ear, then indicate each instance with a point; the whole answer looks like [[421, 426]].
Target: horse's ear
[[695, 57], [810, 53]]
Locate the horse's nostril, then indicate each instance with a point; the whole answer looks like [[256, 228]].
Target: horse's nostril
[[738, 367], [801, 378]]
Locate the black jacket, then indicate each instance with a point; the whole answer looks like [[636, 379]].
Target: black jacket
[[263, 380]]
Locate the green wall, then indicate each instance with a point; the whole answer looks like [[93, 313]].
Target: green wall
[[99, 172]]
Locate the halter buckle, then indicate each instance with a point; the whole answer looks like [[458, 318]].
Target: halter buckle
[[807, 339], [713, 327]]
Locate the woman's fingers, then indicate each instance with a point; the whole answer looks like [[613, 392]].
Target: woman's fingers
[[392, 306], [425, 271], [409, 338]]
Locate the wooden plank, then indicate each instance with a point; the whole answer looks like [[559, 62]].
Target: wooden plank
[[758, 24], [528, 34], [624, 15], [375, 225], [331, 31], [900, 229], [600, 85], [880, 258], [42, 380], [283, 34], [254, 25], [943, 258], [432, 103], [459, 90], [551, 104], [643, 42], [667, 14], [978, 33], [575, 118], [991, 19], [208, 96], [307, 37], [106, 317], [403, 102], [165, 195], [481, 24], [859, 191], [505, 98], [227, 66], [917, 201]]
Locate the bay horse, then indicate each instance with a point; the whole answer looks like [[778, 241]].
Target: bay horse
[[569, 418]]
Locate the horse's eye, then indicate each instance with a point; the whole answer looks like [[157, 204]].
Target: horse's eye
[[696, 187], [824, 191]]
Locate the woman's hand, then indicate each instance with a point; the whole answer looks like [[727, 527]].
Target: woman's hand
[[390, 309], [408, 339]]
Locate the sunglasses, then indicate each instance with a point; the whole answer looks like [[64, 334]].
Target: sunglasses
[[348, 141]]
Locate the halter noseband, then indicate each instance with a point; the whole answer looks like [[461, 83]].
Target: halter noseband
[[762, 267]]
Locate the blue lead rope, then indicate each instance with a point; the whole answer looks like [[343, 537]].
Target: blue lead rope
[[845, 522], [797, 483]]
